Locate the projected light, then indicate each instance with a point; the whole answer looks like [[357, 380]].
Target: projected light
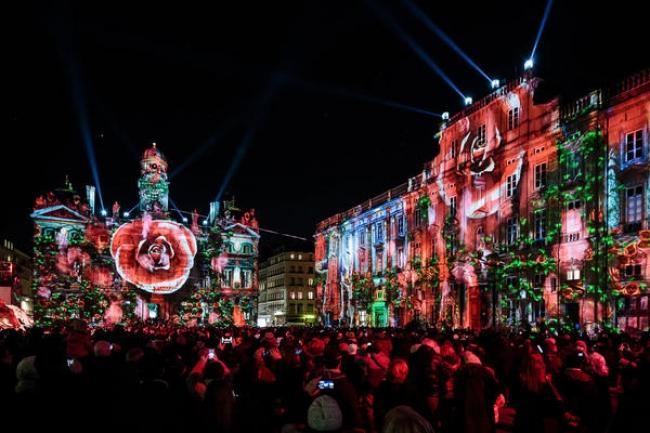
[[528, 64], [445, 115], [495, 84], [126, 214], [205, 222], [468, 100], [184, 219], [104, 212]]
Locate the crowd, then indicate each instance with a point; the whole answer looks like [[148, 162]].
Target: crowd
[[159, 378]]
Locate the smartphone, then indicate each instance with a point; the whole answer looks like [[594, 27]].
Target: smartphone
[[539, 349], [325, 384], [211, 354], [70, 362], [111, 346], [298, 351], [226, 340]]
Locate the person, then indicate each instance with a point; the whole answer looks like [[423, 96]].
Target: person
[[219, 401], [580, 393], [475, 393], [424, 382], [403, 419], [536, 403], [333, 382], [392, 392]]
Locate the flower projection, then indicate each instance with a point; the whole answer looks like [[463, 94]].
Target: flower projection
[[156, 256]]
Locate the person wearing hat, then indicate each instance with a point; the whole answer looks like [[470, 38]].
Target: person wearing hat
[[334, 383]]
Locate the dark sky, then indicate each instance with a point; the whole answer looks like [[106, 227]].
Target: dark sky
[[282, 73]]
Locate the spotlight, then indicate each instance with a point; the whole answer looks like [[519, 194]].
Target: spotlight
[[445, 115], [103, 212], [205, 222], [184, 219], [528, 64], [468, 100], [494, 84], [126, 214]]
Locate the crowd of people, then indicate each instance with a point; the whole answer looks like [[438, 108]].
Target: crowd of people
[[160, 378]]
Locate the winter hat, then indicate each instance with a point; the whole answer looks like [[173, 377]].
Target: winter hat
[[404, 419], [432, 344], [598, 364], [324, 414], [27, 375], [470, 358]]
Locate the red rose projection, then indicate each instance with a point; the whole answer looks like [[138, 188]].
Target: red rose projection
[[156, 256]]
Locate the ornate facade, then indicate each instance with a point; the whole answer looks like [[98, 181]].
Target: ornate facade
[[529, 210], [111, 268]]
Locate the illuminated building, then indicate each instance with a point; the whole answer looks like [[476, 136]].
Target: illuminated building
[[15, 276], [286, 289], [529, 210], [143, 265]]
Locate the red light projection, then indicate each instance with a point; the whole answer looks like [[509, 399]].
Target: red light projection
[[156, 256]]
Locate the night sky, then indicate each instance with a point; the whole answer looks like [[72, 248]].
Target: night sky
[[290, 76]]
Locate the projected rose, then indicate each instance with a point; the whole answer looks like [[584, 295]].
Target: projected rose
[[156, 256]]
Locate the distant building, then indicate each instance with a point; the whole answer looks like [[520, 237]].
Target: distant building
[[15, 276], [287, 290]]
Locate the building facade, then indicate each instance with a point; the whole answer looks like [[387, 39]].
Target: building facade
[[287, 294], [15, 276], [144, 263], [529, 210]]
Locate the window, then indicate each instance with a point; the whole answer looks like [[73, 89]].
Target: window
[[299, 256], [452, 151], [379, 231], [292, 281], [452, 206], [574, 205], [227, 277], [634, 204], [479, 236], [400, 224], [310, 282], [362, 237], [300, 269], [247, 249], [481, 135], [299, 309], [292, 295], [293, 256], [310, 270], [540, 224], [380, 261], [513, 118], [310, 295], [571, 166], [633, 145], [573, 274], [540, 175], [292, 269], [417, 217], [633, 270], [512, 231], [246, 278], [400, 257], [511, 184], [300, 295], [538, 280]]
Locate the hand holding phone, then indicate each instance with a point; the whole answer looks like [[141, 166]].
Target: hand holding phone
[[325, 384], [211, 354]]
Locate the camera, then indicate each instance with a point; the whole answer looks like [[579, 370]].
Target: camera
[[325, 384]]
